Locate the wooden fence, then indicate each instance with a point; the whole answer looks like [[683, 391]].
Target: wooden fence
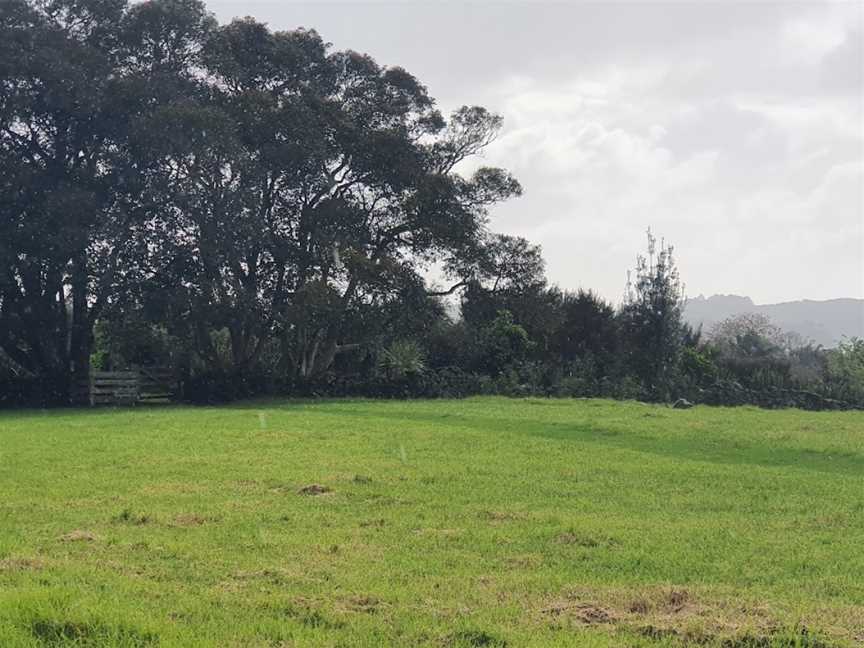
[[141, 385]]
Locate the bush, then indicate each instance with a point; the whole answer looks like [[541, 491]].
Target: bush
[[34, 391], [453, 382], [122, 343], [844, 371], [224, 386], [732, 393], [502, 345], [403, 358]]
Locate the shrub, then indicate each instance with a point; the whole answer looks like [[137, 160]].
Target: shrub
[[502, 345], [651, 321], [224, 386], [34, 391], [844, 371], [402, 358]]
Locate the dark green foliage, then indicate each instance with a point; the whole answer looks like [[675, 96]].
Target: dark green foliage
[[588, 342], [844, 371], [699, 365], [257, 212], [652, 328], [34, 390], [501, 345], [211, 387], [751, 351], [120, 343], [241, 189]]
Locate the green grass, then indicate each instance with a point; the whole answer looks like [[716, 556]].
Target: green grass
[[483, 522]]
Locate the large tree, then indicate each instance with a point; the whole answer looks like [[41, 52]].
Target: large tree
[[507, 274], [306, 183], [244, 187], [651, 320], [77, 76], [59, 134], [587, 333]]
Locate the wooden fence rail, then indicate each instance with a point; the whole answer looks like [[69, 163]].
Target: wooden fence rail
[[142, 385]]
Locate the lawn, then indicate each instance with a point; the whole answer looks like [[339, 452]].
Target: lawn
[[481, 522]]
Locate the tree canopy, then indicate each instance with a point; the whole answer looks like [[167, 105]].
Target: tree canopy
[[233, 177], [257, 210]]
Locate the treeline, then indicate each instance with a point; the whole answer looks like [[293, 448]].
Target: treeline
[[257, 212]]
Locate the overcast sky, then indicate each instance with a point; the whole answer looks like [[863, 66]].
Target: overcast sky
[[735, 130]]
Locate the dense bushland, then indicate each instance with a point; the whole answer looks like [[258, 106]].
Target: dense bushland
[[259, 213]]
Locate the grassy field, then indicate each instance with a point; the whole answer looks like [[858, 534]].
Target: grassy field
[[483, 522]]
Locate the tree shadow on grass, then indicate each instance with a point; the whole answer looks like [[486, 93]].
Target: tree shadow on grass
[[700, 449]]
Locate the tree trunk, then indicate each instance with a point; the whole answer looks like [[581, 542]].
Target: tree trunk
[[318, 356], [81, 331]]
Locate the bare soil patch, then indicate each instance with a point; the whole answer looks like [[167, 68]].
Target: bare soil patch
[[21, 564], [189, 520], [364, 603], [79, 535], [586, 540], [680, 615], [580, 612], [314, 489]]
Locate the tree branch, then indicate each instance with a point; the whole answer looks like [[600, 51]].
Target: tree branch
[[449, 291]]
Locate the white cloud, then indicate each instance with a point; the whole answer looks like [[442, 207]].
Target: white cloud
[[759, 188], [735, 129], [808, 38]]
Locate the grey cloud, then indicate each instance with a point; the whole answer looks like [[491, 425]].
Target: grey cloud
[[735, 129]]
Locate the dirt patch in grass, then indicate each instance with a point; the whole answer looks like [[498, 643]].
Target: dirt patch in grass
[[314, 489], [379, 523], [500, 516], [768, 638], [449, 534], [273, 576], [189, 520], [79, 535], [472, 638], [21, 564], [243, 580], [524, 561], [583, 539], [680, 615], [579, 539], [639, 605], [798, 638], [364, 603], [312, 618], [677, 601], [126, 516], [580, 612]]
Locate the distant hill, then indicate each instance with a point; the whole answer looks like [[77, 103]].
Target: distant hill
[[824, 322]]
